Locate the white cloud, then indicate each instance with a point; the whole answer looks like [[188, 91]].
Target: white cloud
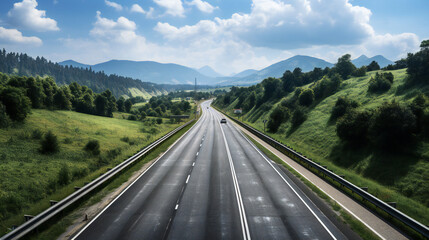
[[136, 8], [25, 14], [172, 7], [120, 31], [295, 24], [392, 46], [202, 6], [114, 5], [15, 37]]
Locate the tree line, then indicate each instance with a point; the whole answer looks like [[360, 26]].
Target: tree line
[[24, 65]]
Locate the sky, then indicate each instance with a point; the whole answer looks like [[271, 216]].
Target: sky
[[229, 36]]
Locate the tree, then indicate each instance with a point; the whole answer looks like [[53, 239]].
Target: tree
[[342, 106], [121, 104], [360, 72], [344, 66], [17, 104], [298, 117], [373, 66], [4, 118], [128, 104], [381, 83], [49, 143], [306, 97], [279, 115], [271, 86], [424, 44], [101, 104], [393, 126], [61, 100], [353, 127]]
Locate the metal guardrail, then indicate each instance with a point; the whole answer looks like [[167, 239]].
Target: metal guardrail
[[396, 214], [83, 192]]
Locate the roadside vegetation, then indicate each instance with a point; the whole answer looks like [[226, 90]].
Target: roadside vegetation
[[369, 126]]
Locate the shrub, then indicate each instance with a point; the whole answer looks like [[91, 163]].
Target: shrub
[[78, 173], [381, 83], [326, 86], [158, 120], [298, 117], [49, 143], [132, 117], [125, 139], [306, 97], [93, 147], [64, 175], [36, 134], [393, 126], [353, 127], [342, 105], [360, 72], [279, 115]]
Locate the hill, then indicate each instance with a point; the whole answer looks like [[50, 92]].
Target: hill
[[149, 71], [276, 70], [245, 73], [365, 61], [391, 176], [208, 71], [24, 65]]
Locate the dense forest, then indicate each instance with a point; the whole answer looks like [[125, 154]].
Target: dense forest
[[24, 65]]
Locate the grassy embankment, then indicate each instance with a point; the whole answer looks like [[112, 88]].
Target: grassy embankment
[[393, 177], [30, 179], [55, 230]]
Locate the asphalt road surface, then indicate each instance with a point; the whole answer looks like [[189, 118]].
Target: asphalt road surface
[[212, 184]]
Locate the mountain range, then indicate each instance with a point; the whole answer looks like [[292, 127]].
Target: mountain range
[[170, 73]]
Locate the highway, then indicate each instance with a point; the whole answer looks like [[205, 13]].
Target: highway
[[213, 183]]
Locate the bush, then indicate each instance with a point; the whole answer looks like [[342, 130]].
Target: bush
[[49, 143], [326, 86], [393, 126], [360, 72], [279, 115], [158, 120], [353, 127], [298, 117], [373, 66], [78, 173], [93, 147], [132, 117], [381, 83], [306, 97], [342, 105], [64, 175], [36, 134]]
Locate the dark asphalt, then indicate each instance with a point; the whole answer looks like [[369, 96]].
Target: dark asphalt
[[212, 184]]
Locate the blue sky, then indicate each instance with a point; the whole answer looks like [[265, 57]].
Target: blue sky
[[229, 36]]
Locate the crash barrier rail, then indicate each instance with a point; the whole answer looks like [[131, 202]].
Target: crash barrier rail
[[85, 191], [366, 197]]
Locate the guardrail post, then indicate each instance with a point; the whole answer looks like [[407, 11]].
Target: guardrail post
[[52, 202]]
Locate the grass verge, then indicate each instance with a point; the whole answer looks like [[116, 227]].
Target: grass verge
[[55, 230]]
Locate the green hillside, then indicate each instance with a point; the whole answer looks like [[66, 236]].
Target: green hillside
[[401, 177], [30, 179]]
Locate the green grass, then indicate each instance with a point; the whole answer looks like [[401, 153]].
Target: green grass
[[29, 179], [392, 177], [55, 230], [135, 92], [356, 225]]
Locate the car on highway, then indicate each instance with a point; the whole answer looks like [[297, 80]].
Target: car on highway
[[223, 120]]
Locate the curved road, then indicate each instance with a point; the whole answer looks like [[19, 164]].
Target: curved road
[[213, 183]]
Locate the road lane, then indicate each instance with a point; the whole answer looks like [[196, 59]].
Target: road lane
[[212, 184]]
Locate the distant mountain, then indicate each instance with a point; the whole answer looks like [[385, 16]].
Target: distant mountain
[[306, 63], [149, 71], [74, 64], [209, 72], [365, 61], [245, 73]]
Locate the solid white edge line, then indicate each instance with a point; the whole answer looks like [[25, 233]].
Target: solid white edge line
[[123, 191], [349, 211], [296, 193], [242, 212]]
